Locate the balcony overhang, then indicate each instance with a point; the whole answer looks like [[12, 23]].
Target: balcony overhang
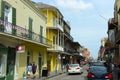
[[112, 23], [55, 28], [19, 33], [21, 40], [61, 52]]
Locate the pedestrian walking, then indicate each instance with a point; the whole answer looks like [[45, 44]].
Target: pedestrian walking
[[34, 68], [29, 69], [67, 66]]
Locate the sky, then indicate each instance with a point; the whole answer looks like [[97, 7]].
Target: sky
[[88, 20]]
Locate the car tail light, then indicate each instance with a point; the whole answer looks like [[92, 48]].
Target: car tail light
[[77, 68], [109, 76], [90, 75]]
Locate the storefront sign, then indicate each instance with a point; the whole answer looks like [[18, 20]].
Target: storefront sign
[[20, 49]]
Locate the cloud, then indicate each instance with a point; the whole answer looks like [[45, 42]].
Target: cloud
[[73, 5]]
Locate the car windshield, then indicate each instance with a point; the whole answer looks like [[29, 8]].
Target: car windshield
[[98, 69], [73, 65], [96, 64]]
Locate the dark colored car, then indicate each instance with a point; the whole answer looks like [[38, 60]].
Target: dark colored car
[[99, 73], [96, 63]]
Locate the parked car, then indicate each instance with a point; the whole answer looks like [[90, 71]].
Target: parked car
[[95, 64], [74, 68], [99, 73]]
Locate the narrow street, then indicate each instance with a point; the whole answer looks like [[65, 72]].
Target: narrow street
[[65, 76], [54, 39]]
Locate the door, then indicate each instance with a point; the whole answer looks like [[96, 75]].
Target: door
[[40, 64], [3, 62], [10, 63]]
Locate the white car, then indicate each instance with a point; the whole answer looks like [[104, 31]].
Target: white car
[[74, 68]]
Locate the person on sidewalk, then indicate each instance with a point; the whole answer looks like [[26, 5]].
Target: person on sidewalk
[[34, 68], [67, 66], [29, 69]]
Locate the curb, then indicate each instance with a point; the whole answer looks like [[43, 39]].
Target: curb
[[44, 78]]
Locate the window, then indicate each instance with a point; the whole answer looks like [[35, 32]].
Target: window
[[41, 30], [28, 57], [7, 12]]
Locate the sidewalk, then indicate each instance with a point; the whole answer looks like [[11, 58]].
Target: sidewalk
[[115, 74], [52, 74]]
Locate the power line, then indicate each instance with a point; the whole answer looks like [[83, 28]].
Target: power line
[[107, 20]]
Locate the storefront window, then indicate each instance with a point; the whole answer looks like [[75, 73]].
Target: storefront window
[[3, 59]]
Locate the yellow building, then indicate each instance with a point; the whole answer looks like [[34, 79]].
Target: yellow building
[[22, 38], [55, 34]]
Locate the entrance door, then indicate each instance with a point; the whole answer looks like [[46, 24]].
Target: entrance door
[[40, 64], [10, 63], [3, 62]]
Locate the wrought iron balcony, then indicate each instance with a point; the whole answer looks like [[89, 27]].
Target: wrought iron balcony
[[71, 51], [112, 23], [20, 32], [56, 47], [68, 35]]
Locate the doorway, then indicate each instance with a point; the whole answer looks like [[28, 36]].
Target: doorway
[[10, 63], [40, 64]]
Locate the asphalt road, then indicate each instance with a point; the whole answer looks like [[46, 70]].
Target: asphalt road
[[65, 76]]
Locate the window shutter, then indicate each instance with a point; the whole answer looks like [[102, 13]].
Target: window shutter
[[2, 14], [41, 34], [13, 16], [2, 10], [30, 28], [41, 30], [13, 20]]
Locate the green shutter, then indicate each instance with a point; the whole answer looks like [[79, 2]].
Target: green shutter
[[13, 20], [41, 30], [2, 9], [2, 14], [30, 28], [41, 34], [13, 16]]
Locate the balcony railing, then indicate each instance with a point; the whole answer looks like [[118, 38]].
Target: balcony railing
[[60, 27], [56, 25], [71, 51], [57, 47], [112, 23], [68, 35], [18, 31]]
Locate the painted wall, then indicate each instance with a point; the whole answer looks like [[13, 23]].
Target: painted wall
[[50, 14], [49, 18], [24, 11], [34, 54]]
